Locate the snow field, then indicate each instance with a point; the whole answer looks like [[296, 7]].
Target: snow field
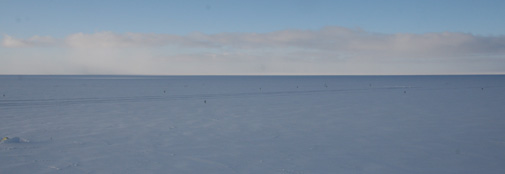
[[354, 124]]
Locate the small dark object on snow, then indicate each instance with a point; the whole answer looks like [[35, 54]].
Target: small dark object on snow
[[404, 92], [164, 91], [14, 140], [204, 101]]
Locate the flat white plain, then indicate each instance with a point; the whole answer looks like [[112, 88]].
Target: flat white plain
[[252, 124]]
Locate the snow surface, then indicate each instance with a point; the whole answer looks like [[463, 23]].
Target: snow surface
[[252, 124]]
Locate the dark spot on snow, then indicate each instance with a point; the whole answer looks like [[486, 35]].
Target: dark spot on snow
[[204, 101], [14, 140]]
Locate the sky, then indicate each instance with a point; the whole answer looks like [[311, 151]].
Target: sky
[[317, 37]]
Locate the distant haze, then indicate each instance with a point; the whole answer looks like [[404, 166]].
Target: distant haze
[[330, 50]]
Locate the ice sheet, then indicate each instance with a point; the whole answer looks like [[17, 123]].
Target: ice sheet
[[253, 124]]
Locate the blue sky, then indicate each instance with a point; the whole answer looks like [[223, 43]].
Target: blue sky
[[41, 31], [60, 18]]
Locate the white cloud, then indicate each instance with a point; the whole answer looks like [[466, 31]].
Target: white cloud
[[330, 50], [35, 41], [114, 40], [8, 41]]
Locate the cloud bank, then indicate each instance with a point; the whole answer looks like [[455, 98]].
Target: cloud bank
[[330, 50], [34, 41]]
